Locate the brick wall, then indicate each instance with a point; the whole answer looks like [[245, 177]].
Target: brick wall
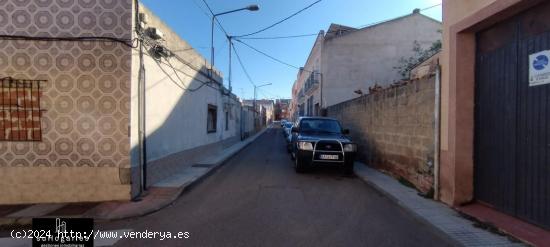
[[394, 129]]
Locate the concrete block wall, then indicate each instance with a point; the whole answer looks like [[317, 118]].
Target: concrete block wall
[[394, 129], [247, 121]]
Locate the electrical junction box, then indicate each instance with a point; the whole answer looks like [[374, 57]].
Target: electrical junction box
[[161, 51], [155, 33]]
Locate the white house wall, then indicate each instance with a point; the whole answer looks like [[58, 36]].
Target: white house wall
[[360, 59], [176, 114]]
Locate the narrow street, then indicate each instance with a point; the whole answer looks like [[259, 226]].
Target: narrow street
[[164, 123], [256, 199]]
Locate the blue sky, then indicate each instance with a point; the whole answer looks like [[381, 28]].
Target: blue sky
[[189, 19]]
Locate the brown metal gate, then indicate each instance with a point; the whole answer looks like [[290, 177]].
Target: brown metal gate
[[512, 119]]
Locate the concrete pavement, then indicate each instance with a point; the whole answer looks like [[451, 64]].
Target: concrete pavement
[[155, 198], [445, 219], [257, 199]]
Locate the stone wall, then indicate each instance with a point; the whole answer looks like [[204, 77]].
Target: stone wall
[[394, 129]]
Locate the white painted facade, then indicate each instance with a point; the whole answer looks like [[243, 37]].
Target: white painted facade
[[176, 108], [352, 59]]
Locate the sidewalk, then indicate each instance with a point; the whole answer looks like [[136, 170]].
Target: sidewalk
[[443, 218], [157, 196]]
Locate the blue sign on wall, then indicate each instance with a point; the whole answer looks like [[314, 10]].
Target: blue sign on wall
[[539, 68], [540, 62]]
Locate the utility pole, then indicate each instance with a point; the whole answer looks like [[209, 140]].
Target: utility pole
[[212, 50], [249, 8], [255, 88], [230, 47], [254, 106]]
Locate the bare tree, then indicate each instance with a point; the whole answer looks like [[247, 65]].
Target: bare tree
[[419, 56]]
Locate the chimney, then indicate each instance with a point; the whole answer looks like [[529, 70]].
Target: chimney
[[416, 11]]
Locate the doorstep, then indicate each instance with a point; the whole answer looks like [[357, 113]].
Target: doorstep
[[516, 227]]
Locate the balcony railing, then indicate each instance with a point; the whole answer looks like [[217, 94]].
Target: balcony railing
[[301, 94], [312, 81]]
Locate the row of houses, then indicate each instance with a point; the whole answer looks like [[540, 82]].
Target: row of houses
[[282, 109], [265, 107], [485, 140], [102, 118]]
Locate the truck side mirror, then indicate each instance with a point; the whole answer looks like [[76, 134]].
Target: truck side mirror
[[345, 131]]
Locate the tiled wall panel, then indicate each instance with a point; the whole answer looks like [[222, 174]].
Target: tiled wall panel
[[86, 97]]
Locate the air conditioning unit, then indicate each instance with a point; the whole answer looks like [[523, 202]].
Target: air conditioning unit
[[155, 33]]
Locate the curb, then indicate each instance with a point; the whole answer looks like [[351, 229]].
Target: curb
[[182, 189], [404, 207], [443, 220], [186, 186]]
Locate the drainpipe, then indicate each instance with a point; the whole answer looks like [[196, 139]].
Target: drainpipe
[[141, 119], [141, 106], [322, 113], [437, 113], [241, 122]]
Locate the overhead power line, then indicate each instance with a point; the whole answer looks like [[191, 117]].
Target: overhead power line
[[279, 22], [433, 6], [149, 43], [242, 65], [284, 37], [382, 21], [315, 34], [203, 83], [216, 19], [204, 12], [270, 93], [126, 42], [272, 58], [176, 70]]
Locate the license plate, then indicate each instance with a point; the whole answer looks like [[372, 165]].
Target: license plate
[[328, 157]]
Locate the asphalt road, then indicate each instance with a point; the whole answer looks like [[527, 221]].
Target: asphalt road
[[256, 199]]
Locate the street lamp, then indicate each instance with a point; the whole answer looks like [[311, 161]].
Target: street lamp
[[256, 87], [252, 7]]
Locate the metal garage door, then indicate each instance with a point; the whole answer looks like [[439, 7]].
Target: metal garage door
[[512, 116]]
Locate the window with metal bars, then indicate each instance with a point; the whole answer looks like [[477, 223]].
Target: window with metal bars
[[212, 118], [20, 113]]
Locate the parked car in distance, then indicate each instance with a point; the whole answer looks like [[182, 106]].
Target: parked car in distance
[[289, 141], [321, 140], [283, 121], [287, 129]]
